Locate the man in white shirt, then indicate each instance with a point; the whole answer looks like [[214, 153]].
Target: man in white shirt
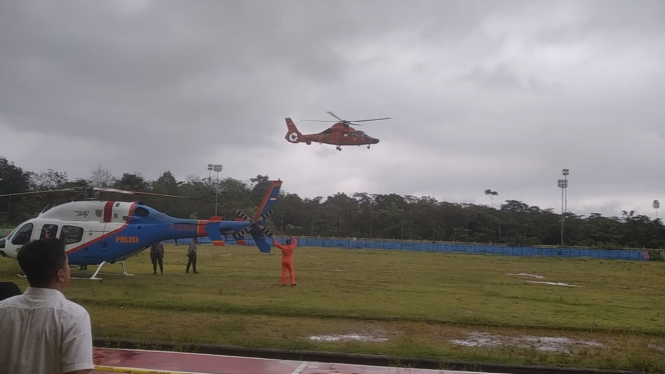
[[41, 331]]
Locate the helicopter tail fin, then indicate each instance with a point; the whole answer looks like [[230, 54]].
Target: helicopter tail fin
[[268, 200], [212, 230], [256, 225], [260, 241], [292, 135]]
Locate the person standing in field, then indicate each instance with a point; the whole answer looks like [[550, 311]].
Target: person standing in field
[[287, 259], [157, 256], [191, 253]]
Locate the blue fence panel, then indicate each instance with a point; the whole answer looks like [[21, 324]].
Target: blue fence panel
[[470, 248]]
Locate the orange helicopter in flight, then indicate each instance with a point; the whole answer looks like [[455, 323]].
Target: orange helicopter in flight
[[339, 134]]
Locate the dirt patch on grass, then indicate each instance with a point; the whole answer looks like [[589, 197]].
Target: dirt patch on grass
[[555, 284], [527, 275], [539, 343], [347, 337]]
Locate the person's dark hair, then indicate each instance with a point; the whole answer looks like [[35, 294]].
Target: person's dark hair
[[288, 241], [41, 260], [9, 289]]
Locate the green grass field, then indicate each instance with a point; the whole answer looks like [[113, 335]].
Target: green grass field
[[417, 303]]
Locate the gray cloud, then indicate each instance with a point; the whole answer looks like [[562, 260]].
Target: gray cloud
[[483, 94]]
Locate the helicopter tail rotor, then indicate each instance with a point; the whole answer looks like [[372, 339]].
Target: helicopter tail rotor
[[254, 224]]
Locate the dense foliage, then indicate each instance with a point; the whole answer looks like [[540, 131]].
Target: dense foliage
[[361, 215]]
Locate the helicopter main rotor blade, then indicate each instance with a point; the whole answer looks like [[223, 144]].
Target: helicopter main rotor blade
[[333, 114], [39, 192], [374, 119], [115, 190], [316, 120]]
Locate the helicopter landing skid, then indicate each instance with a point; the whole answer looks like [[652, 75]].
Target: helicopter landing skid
[[99, 267], [124, 272], [94, 276]]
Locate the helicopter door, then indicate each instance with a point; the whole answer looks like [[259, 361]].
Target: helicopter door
[[48, 231], [72, 235]]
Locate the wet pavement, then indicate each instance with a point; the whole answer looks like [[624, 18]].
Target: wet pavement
[[113, 360]]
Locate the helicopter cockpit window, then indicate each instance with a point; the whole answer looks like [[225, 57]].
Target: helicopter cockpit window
[[49, 232], [141, 212], [71, 234], [23, 235], [345, 135]]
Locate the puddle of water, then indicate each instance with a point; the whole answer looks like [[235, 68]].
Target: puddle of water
[[479, 339], [541, 343], [658, 347], [346, 338], [528, 275], [555, 284], [556, 344]]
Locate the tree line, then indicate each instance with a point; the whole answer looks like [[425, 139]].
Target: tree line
[[360, 215]]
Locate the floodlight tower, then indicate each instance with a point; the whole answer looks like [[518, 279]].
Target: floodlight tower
[[210, 166], [565, 173], [217, 169], [656, 205], [563, 183]]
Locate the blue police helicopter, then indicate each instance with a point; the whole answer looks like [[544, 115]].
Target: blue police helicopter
[[100, 232]]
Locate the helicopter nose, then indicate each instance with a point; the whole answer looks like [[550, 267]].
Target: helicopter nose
[[375, 141]]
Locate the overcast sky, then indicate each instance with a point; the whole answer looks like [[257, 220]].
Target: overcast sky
[[482, 94]]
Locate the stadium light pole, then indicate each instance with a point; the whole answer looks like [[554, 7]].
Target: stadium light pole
[[656, 205], [565, 173], [563, 183], [216, 169], [210, 167]]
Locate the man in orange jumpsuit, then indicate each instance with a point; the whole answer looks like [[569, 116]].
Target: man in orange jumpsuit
[[287, 255]]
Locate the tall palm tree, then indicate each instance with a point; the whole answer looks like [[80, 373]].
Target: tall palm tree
[[491, 195]]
